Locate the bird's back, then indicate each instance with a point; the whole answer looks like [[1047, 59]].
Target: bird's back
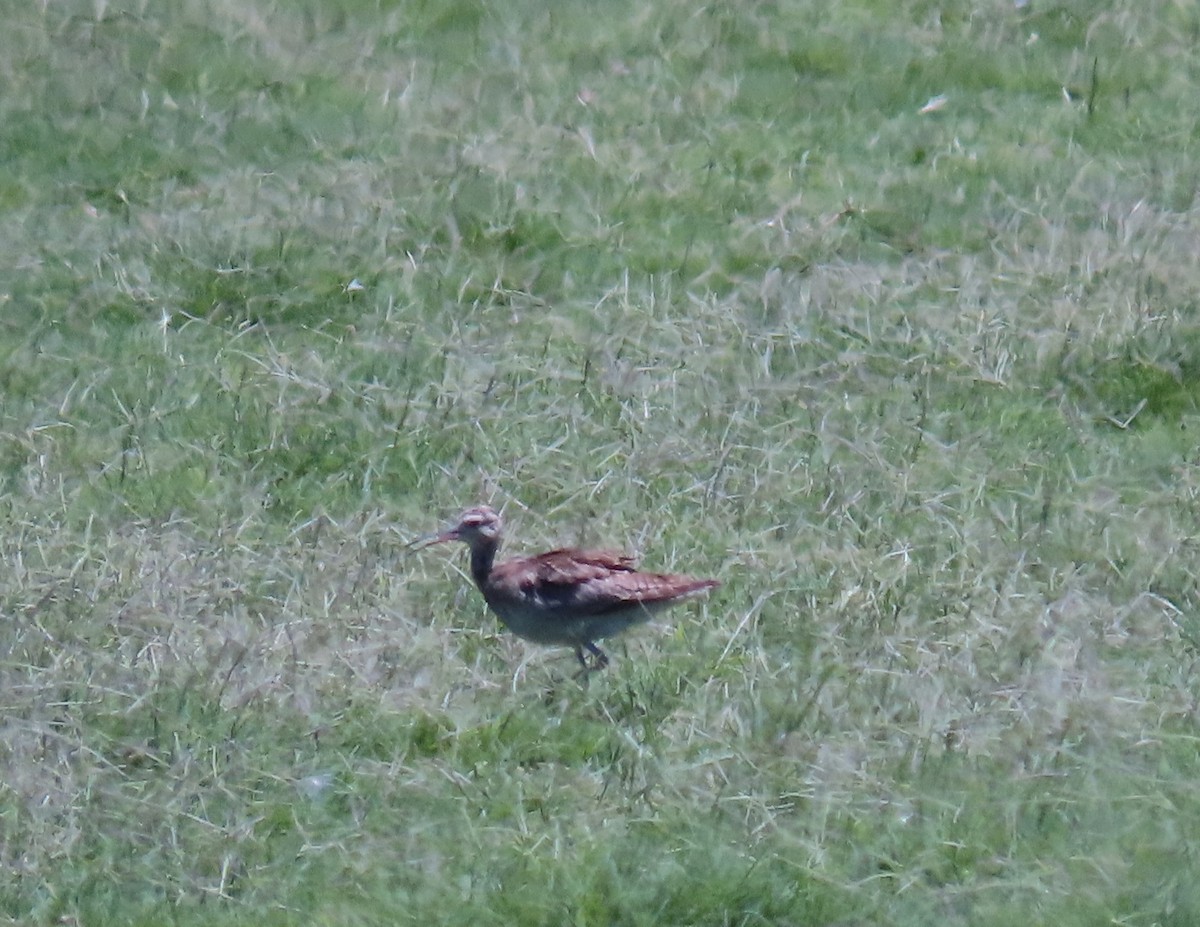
[[568, 596]]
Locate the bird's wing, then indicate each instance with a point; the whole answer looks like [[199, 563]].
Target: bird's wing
[[636, 588], [593, 582], [575, 566]]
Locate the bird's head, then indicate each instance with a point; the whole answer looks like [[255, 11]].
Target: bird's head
[[475, 526]]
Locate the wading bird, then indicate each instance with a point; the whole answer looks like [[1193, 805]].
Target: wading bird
[[567, 596]]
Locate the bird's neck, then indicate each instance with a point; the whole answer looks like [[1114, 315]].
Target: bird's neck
[[483, 555]]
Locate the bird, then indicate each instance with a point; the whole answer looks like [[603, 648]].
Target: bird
[[568, 596]]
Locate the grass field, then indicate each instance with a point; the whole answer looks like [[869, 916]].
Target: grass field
[[885, 314]]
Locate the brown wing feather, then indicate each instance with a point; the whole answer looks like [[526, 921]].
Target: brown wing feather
[[561, 567], [594, 579], [573, 566], [642, 588]]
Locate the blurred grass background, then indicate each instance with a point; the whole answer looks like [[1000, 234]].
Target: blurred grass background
[[884, 314]]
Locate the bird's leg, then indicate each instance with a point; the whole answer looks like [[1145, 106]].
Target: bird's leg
[[600, 658]]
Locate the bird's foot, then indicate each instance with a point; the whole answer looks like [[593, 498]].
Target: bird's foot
[[599, 657]]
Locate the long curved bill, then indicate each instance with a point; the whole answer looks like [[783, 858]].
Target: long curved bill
[[450, 534]]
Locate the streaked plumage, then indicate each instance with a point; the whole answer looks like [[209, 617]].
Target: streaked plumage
[[567, 596]]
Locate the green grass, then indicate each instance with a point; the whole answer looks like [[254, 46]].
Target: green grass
[[287, 285]]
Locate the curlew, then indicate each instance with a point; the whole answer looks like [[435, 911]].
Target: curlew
[[568, 596]]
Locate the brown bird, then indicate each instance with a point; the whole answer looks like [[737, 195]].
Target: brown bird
[[566, 596]]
